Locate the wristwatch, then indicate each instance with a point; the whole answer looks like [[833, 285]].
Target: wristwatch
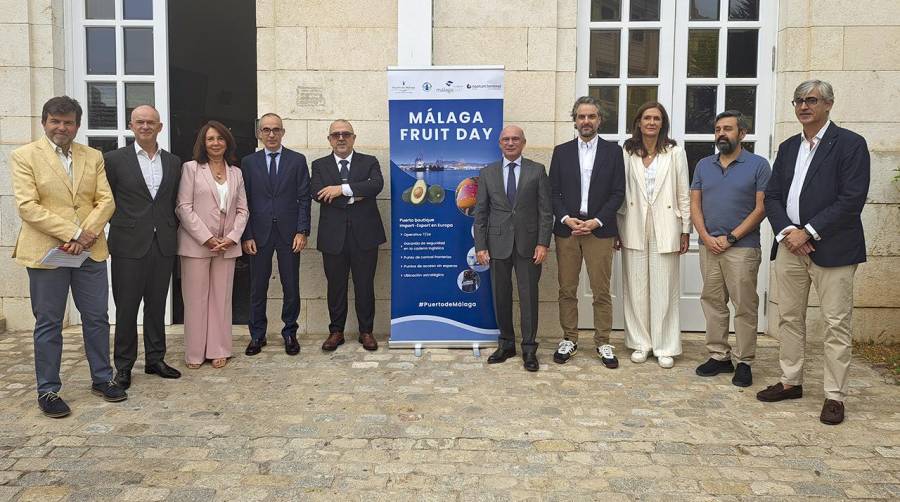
[[731, 238]]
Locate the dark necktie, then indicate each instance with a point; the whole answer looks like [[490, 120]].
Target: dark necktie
[[273, 170], [511, 184], [345, 171]]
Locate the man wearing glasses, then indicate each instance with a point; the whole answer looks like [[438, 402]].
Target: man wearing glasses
[[346, 183], [277, 183], [817, 191]]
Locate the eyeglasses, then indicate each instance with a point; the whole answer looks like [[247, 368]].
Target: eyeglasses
[[271, 130], [810, 101], [340, 134]]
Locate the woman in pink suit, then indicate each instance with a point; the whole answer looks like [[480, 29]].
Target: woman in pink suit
[[212, 207]]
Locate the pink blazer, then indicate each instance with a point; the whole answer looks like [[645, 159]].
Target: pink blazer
[[198, 209]]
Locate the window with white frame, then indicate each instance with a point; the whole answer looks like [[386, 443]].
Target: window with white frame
[[119, 61], [696, 57]]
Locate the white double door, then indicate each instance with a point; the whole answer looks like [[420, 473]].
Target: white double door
[[697, 58]]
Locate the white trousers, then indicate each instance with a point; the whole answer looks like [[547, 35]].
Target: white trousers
[[652, 292]]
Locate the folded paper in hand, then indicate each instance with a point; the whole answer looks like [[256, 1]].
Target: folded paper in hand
[[56, 257]]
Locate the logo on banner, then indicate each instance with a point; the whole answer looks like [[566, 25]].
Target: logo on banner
[[426, 86]]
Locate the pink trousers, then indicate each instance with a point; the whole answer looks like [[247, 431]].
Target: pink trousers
[[206, 285]]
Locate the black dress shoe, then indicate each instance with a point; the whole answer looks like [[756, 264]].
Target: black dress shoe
[[832, 412], [109, 391], [531, 362], [123, 378], [501, 355], [291, 346], [162, 369], [52, 405], [255, 347], [743, 376]]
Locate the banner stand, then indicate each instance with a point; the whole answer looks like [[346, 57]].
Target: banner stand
[[444, 127]]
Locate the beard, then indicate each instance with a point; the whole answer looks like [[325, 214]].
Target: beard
[[726, 146]]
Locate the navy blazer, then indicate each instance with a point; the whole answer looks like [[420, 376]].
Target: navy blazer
[[362, 216], [606, 191], [832, 198], [284, 207]]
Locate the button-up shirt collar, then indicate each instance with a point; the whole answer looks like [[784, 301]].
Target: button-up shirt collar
[[65, 158], [151, 168], [518, 174], [277, 157]]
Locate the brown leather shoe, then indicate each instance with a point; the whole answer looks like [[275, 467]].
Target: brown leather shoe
[[334, 339], [368, 341], [832, 412], [777, 392]]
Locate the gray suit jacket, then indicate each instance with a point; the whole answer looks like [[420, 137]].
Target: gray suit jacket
[[498, 224]]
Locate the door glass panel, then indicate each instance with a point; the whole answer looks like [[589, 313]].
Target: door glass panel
[[700, 103], [101, 105], [742, 49], [643, 53], [696, 150], [604, 54], [138, 51], [748, 145], [100, 9], [704, 10], [608, 96], [138, 9], [606, 10], [101, 51], [743, 99], [743, 10], [637, 96], [644, 10], [703, 53], [137, 94], [104, 144]]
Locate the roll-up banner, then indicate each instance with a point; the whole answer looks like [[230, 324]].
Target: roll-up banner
[[445, 125]]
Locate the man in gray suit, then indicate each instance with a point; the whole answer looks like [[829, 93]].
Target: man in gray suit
[[513, 223]]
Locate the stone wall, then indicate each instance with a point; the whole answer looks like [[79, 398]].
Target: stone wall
[[32, 69], [855, 45]]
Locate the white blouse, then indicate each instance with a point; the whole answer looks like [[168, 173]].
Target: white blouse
[[650, 174], [223, 196]]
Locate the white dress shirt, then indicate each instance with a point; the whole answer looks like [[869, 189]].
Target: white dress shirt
[[587, 153], [151, 168], [516, 174], [345, 187], [805, 154], [65, 158]]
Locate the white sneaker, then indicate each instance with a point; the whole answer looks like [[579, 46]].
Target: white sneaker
[[638, 356], [665, 361], [565, 351]]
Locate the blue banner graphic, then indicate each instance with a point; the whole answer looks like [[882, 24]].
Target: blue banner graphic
[[444, 127]]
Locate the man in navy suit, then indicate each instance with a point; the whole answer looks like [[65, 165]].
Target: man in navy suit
[[817, 191], [587, 180], [277, 183]]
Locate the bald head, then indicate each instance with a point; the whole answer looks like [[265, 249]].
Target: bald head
[[146, 125], [512, 142]]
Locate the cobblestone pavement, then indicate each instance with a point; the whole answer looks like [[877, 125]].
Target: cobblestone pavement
[[353, 425]]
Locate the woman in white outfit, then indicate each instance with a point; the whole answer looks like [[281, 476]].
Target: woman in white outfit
[[654, 229]]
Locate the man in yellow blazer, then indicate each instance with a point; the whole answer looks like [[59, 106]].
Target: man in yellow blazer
[[64, 201]]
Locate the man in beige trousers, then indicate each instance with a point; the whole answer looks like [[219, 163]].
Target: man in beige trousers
[[727, 195]]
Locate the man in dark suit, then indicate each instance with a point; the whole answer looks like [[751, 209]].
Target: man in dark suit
[[346, 183], [817, 191], [587, 184], [144, 179], [276, 180], [513, 223]]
